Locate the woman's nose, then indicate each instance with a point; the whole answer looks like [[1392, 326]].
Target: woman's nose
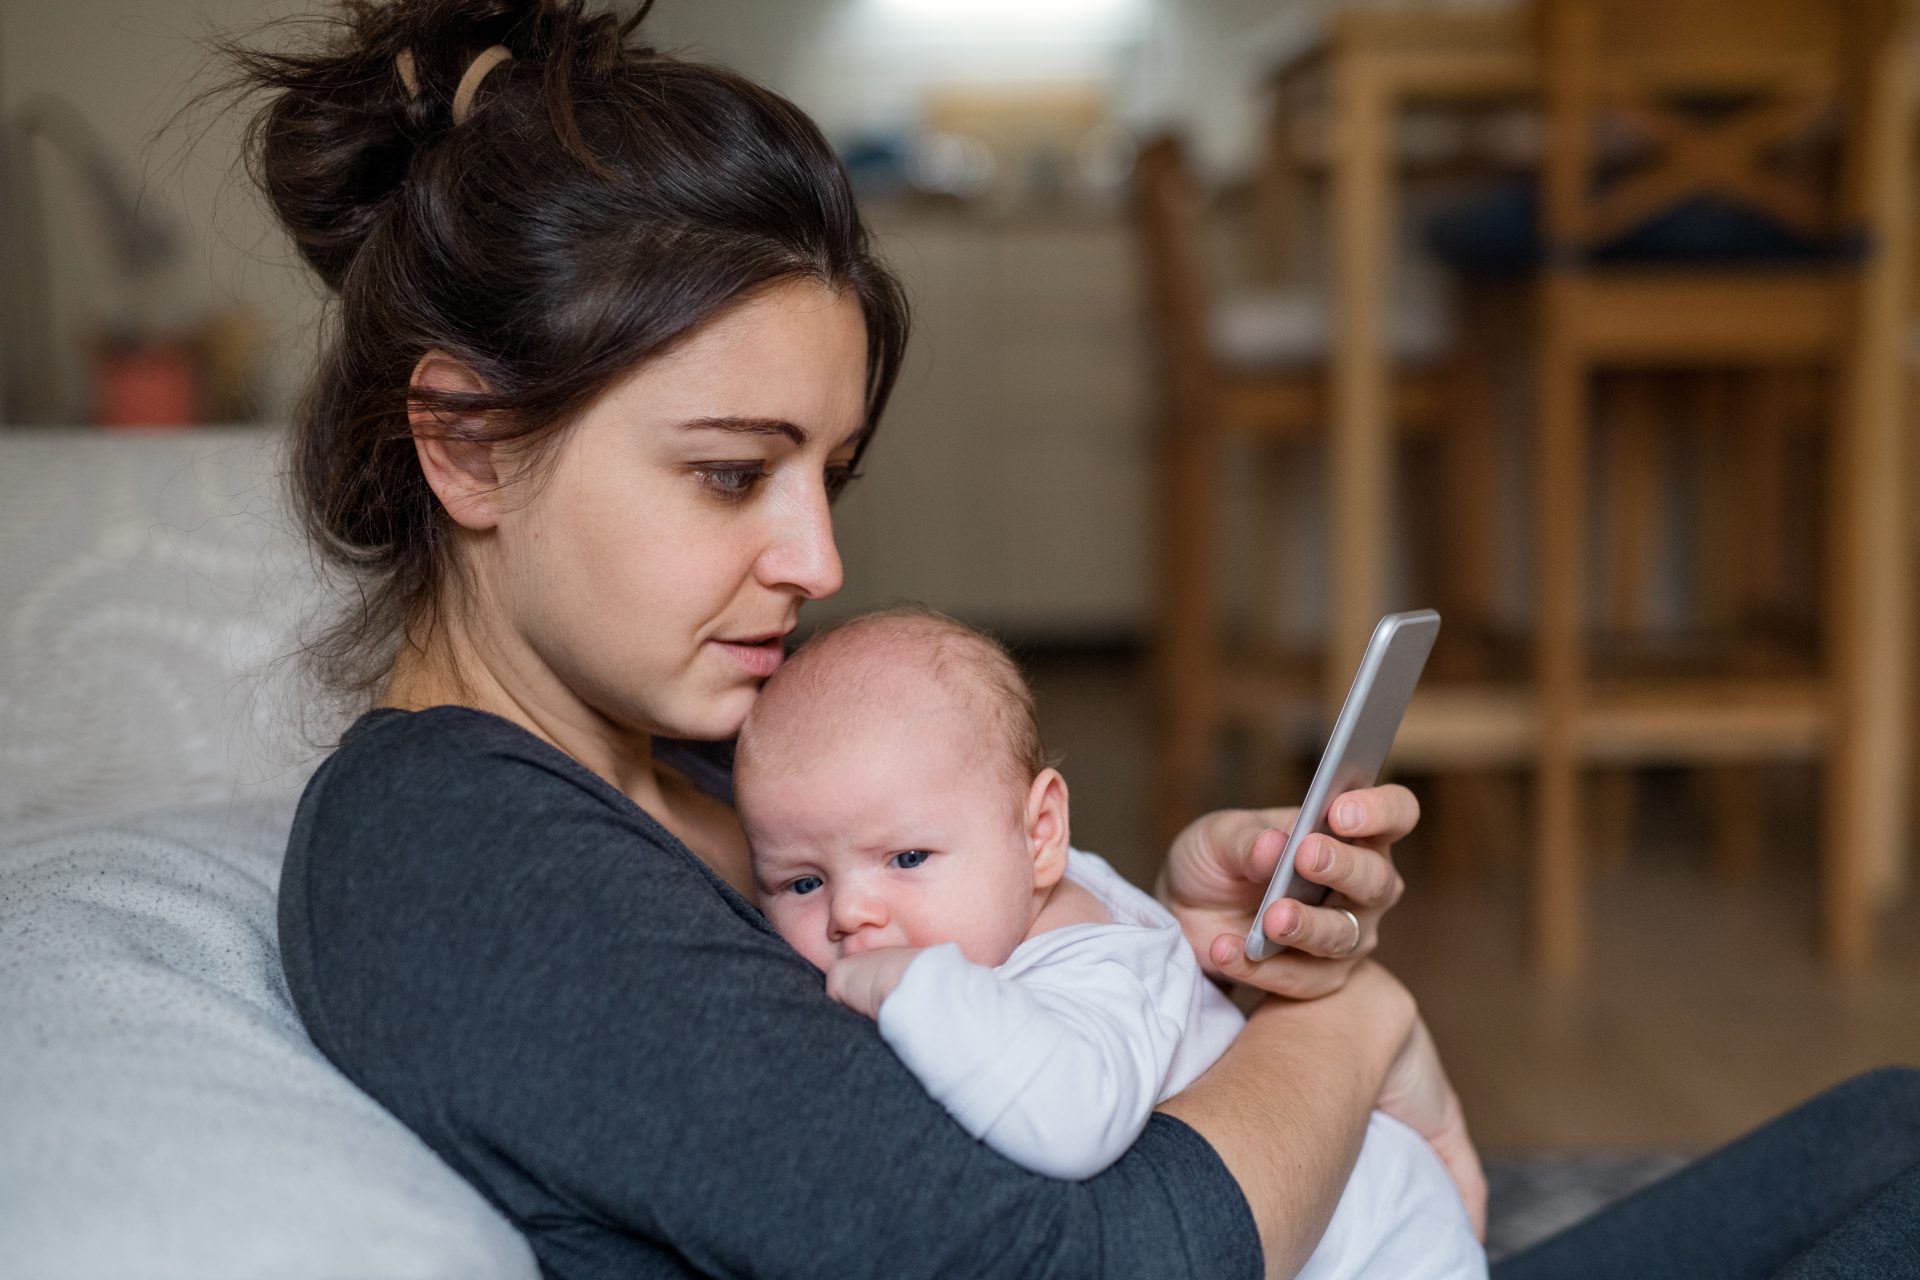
[[803, 554]]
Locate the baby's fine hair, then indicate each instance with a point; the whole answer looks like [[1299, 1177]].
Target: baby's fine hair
[[967, 661]]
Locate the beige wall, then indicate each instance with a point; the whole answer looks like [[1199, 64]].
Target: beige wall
[[129, 65]]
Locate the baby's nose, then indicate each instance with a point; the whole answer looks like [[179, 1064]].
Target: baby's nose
[[854, 909]]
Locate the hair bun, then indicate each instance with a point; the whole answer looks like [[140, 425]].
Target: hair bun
[[362, 90]]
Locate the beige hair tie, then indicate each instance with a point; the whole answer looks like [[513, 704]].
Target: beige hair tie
[[470, 80], [409, 77]]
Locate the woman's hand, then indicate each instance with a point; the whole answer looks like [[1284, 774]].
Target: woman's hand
[[1418, 1094], [1217, 872]]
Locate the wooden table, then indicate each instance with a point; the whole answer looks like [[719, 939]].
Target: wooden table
[[1372, 65]]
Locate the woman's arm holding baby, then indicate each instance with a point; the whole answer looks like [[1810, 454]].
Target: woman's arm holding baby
[[1216, 876], [1286, 1106]]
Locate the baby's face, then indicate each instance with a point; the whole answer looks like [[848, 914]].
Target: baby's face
[[905, 833]]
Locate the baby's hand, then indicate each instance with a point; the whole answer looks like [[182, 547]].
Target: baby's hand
[[1418, 1095], [863, 982]]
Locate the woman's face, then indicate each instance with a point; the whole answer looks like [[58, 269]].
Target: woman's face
[[654, 576]]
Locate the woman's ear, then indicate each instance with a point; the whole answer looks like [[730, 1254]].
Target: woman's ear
[[461, 470], [1046, 827]]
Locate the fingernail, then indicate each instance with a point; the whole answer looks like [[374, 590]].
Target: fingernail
[[1292, 924], [1349, 815], [1321, 858]]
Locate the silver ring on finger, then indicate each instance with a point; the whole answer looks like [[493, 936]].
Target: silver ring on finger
[[1354, 920]]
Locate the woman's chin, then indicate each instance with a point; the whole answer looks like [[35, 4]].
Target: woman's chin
[[718, 720]]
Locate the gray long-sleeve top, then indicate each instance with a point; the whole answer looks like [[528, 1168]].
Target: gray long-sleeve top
[[615, 1047]]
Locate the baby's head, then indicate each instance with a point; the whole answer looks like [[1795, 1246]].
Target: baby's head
[[892, 785]]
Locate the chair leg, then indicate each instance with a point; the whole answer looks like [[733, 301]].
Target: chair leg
[[1868, 635], [1630, 522], [1609, 830], [1739, 802], [1633, 512], [1559, 927], [1765, 420], [1188, 656], [1270, 534], [1471, 465], [1459, 813], [1721, 536]]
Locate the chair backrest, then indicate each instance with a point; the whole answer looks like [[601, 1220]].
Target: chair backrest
[[1168, 210], [1654, 103]]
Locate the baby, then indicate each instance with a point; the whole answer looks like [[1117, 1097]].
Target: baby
[[910, 839]]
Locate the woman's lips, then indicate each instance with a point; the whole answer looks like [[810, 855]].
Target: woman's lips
[[760, 659]]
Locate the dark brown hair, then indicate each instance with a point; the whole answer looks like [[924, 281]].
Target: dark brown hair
[[600, 201]]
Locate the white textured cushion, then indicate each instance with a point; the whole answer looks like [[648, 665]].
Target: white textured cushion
[[149, 585], [165, 1113], [162, 1111]]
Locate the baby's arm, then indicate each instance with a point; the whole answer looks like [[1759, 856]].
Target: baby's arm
[[863, 982], [1056, 1069]]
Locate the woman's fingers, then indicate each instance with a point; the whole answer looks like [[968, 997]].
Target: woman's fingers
[[1263, 853], [1293, 974], [1251, 840], [1385, 814], [1218, 869], [1318, 931], [1363, 876], [1222, 861]]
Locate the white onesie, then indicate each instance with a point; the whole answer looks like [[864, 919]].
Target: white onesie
[[1056, 1058]]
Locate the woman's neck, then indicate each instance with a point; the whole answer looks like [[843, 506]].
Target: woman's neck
[[453, 667]]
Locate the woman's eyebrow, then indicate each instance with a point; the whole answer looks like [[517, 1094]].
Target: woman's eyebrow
[[750, 427]]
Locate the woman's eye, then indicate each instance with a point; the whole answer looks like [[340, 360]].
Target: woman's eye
[[731, 482], [910, 859], [838, 478], [806, 884]]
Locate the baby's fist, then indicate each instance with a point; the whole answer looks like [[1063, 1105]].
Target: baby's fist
[[864, 981]]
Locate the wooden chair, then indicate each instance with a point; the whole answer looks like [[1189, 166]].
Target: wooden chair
[[1220, 391], [1785, 108]]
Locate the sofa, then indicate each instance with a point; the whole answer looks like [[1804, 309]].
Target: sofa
[[163, 1112]]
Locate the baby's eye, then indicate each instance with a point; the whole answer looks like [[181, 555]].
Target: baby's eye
[[910, 859], [806, 884]]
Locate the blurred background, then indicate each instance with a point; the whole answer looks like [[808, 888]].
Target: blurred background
[[1240, 324]]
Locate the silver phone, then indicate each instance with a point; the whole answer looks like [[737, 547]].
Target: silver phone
[[1356, 752]]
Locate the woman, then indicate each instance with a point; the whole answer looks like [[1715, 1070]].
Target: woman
[[608, 342]]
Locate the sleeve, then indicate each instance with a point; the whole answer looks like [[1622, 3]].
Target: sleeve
[[1056, 1068], [586, 1025]]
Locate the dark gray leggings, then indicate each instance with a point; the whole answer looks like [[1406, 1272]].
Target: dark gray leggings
[[1830, 1189]]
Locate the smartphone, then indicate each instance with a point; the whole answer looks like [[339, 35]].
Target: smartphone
[[1356, 752]]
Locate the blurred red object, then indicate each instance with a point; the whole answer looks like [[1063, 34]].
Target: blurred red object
[[149, 385]]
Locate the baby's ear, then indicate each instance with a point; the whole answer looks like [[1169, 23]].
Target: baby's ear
[[1046, 827]]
